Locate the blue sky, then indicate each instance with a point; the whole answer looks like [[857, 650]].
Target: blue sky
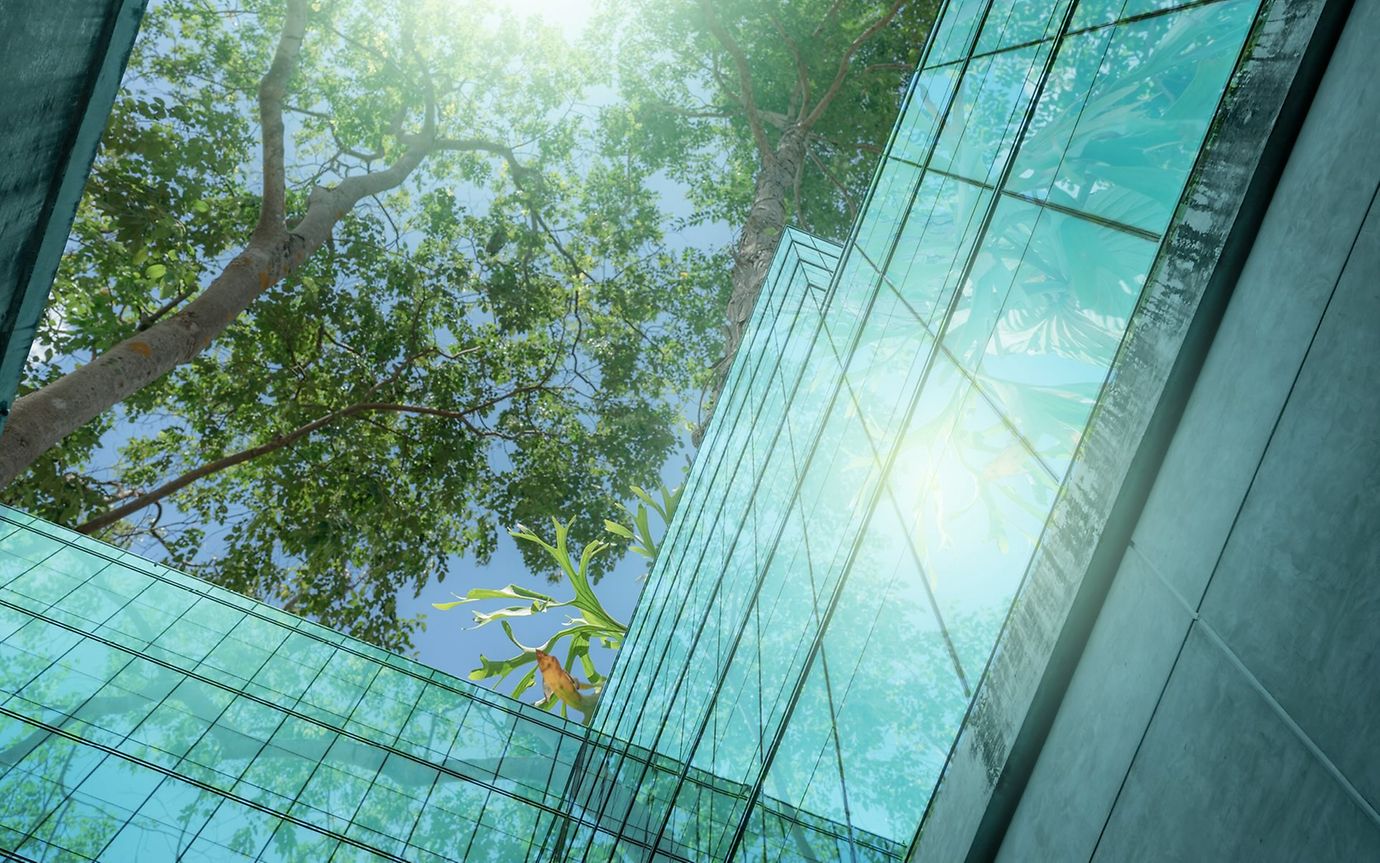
[[450, 642]]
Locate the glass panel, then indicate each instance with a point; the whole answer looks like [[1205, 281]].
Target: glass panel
[[388, 813], [239, 828], [896, 678], [991, 102], [938, 235], [993, 270], [1091, 13], [30, 545], [750, 704], [92, 604], [1051, 127], [279, 771], [1134, 139], [929, 98], [955, 33], [890, 198], [888, 362], [81, 826], [1094, 13], [294, 844], [976, 522], [719, 534], [1062, 322], [433, 724], [41, 586], [1016, 22]]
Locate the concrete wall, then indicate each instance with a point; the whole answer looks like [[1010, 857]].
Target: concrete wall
[[1227, 705], [1087, 535], [60, 67]]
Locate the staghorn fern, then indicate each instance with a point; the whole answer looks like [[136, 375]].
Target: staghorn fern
[[589, 622]]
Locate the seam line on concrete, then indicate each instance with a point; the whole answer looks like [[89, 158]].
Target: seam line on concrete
[[1346, 785], [1308, 742], [1164, 582], [1159, 699], [1293, 726]]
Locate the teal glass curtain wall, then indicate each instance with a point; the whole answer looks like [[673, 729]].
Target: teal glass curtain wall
[[890, 440], [148, 716], [861, 515]]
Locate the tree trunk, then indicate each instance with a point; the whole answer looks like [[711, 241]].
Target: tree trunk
[[761, 233], [42, 418], [756, 247]]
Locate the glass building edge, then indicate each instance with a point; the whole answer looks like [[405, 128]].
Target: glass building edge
[[712, 449], [521, 779], [886, 243], [111, 554], [197, 693], [1000, 736]]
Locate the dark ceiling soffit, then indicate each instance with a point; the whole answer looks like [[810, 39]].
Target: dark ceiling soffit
[[1092, 522], [19, 321]]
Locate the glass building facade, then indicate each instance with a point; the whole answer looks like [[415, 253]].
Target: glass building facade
[[888, 446], [858, 523]]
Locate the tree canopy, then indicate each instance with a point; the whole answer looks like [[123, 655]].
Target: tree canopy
[[497, 334], [356, 284], [771, 113]]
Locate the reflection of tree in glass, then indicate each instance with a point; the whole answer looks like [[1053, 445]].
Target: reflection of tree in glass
[[1131, 105]]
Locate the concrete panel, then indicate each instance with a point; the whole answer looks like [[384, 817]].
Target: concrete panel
[[1323, 194], [1085, 537], [1108, 706], [1221, 776], [1297, 595], [62, 63]]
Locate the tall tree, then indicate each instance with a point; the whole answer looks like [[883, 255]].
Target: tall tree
[[771, 111], [429, 306]]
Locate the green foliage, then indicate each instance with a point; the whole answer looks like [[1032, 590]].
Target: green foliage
[[593, 624], [640, 534], [483, 344], [491, 352], [684, 105]]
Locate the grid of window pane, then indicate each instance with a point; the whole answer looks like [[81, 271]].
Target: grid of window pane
[[857, 529], [146, 715], [887, 447]]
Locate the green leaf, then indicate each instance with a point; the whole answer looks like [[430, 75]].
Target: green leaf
[[483, 617], [155, 272], [512, 591], [617, 529], [525, 683], [500, 668]]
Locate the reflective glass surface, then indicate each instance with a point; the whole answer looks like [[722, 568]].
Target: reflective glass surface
[[146, 715], [888, 444], [815, 632]]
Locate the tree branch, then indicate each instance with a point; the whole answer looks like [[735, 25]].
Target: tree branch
[[800, 98], [888, 67], [748, 98], [846, 60], [272, 90], [287, 439], [520, 171], [861, 146], [42, 418], [828, 16], [843, 190], [146, 321]]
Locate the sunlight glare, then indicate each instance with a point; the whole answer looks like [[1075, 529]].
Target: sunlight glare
[[569, 16]]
